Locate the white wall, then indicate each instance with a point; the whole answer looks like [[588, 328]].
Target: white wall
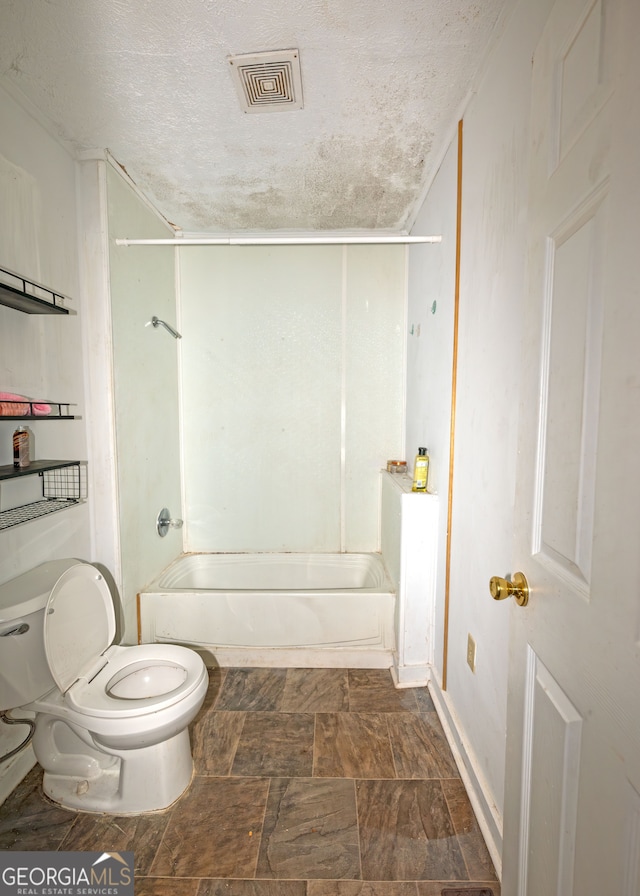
[[40, 356], [493, 269], [292, 399]]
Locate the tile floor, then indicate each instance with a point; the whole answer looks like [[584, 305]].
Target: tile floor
[[308, 782]]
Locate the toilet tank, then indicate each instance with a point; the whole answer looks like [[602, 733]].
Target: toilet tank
[[24, 673]]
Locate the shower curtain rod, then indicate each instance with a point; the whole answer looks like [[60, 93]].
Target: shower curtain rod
[[280, 241]]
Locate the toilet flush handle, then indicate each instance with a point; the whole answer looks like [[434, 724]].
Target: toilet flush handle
[[164, 522], [14, 628]]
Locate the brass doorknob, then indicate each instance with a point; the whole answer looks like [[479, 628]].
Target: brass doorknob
[[519, 588]]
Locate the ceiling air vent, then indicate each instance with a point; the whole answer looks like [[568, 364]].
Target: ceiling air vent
[[268, 82]]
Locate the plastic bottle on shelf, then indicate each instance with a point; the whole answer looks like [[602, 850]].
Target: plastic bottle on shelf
[[420, 471], [21, 448]]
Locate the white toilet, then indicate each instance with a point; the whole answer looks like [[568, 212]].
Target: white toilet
[[111, 722]]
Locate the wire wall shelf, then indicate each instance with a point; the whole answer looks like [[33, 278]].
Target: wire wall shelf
[[25, 409], [28, 296], [64, 484]]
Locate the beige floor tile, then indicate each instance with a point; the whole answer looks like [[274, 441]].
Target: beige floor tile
[[372, 690], [252, 888], [352, 745], [29, 821], [406, 832], [310, 830], [474, 849], [316, 690], [140, 834], [360, 888], [214, 741], [165, 886], [215, 830], [420, 749], [275, 744]]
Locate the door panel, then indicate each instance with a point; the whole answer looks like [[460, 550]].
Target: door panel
[[583, 71], [570, 389], [572, 822], [553, 736]]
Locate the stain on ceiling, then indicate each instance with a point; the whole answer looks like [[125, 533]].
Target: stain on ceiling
[[149, 81]]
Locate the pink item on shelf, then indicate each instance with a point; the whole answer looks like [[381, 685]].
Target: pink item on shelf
[[18, 406]]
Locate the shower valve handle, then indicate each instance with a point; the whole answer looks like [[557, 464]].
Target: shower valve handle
[[164, 522]]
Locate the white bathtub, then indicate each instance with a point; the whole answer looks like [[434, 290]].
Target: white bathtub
[[274, 609]]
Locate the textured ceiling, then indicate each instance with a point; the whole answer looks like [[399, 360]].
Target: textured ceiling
[[149, 80]]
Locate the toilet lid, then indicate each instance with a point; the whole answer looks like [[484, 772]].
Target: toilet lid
[[79, 623]]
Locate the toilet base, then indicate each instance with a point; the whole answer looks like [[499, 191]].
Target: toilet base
[[144, 780]]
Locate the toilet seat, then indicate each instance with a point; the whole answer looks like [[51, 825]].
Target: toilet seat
[[92, 697], [79, 628]]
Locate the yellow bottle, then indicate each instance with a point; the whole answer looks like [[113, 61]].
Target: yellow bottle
[[420, 471]]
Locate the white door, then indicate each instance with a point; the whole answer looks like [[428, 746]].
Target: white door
[[572, 806]]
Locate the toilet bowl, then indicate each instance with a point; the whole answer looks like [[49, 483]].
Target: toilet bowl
[[111, 721]]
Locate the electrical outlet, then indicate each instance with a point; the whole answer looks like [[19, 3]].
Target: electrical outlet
[[471, 653]]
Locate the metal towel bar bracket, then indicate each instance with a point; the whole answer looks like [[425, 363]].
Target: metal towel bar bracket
[[156, 322]]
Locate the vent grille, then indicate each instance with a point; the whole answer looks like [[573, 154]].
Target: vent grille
[[268, 82]]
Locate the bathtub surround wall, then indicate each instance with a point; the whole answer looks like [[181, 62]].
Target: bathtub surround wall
[[132, 375], [145, 382], [292, 394], [40, 355]]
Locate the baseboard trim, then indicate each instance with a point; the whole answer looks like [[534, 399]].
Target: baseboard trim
[[409, 676], [489, 818]]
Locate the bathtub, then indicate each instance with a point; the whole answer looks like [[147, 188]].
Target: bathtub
[[274, 609]]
